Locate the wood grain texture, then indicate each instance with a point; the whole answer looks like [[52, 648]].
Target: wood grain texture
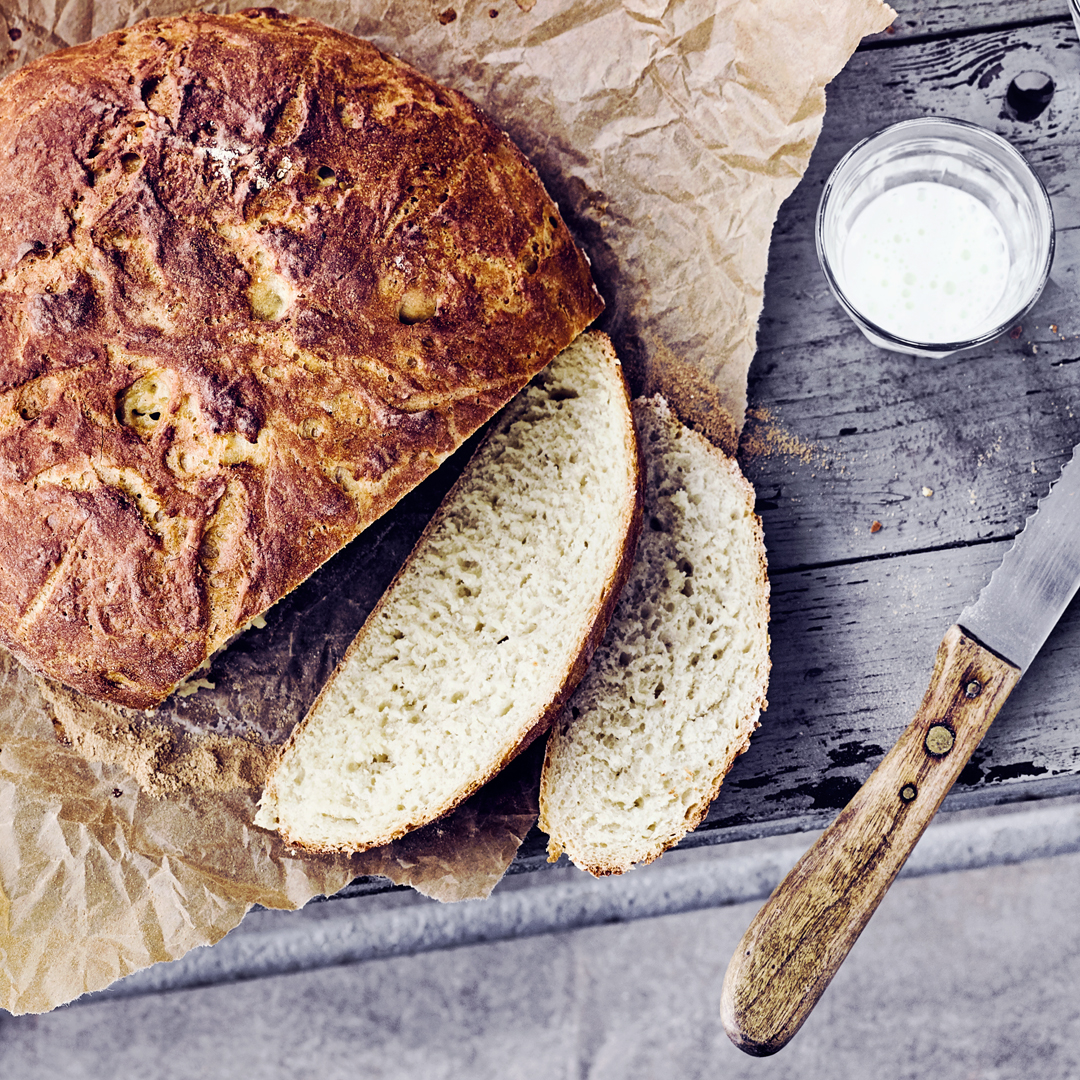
[[950, 456], [843, 688], [842, 434], [800, 937], [916, 20]]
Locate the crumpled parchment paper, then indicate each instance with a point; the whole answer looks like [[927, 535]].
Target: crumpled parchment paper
[[669, 131]]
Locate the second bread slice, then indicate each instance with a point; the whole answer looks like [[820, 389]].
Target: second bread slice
[[675, 692], [487, 629]]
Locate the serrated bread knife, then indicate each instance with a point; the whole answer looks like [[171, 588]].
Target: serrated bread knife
[[800, 937]]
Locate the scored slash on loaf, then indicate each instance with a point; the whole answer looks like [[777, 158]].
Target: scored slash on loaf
[[488, 627]]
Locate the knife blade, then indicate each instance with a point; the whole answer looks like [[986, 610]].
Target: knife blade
[[800, 937], [1038, 577]]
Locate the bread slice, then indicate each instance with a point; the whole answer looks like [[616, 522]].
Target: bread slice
[[491, 623], [677, 686]]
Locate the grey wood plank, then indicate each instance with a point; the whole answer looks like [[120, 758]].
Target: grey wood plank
[[853, 647], [846, 434], [937, 17]]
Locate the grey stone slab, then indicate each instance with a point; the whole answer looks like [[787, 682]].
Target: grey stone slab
[[370, 928], [974, 974]]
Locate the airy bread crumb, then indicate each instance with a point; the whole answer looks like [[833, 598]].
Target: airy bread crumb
[[677, 687], [489, 626]]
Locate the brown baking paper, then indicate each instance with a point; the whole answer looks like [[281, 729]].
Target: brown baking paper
[[669, 132]]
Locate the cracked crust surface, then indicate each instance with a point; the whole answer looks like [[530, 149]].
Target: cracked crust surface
[[257, 279]]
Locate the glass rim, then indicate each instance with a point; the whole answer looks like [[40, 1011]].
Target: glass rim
[[991, 137]]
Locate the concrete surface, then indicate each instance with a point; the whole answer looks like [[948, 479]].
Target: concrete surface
[[972, 974], [526, 904]]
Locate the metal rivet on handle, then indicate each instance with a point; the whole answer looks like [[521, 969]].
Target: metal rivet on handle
[[973, 689], [908, 792], [939, 740]]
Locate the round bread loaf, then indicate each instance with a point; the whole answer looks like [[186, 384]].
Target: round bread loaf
[[257, 279]]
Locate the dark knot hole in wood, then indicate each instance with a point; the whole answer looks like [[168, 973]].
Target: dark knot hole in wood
[[1028, 95]]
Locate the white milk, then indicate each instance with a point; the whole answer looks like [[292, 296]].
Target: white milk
[[926, 262]]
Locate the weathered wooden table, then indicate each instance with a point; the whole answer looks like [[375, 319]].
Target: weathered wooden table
[[950, 456]]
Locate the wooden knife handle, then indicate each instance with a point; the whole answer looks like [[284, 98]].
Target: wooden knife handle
[[800, 937]]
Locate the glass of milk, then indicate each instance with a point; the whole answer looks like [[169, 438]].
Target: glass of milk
[[935, 235]]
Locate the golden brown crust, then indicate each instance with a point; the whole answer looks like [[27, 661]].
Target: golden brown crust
[[257, 280]]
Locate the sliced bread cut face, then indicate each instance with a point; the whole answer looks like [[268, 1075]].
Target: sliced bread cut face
[[676, 688], [479, 641]]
